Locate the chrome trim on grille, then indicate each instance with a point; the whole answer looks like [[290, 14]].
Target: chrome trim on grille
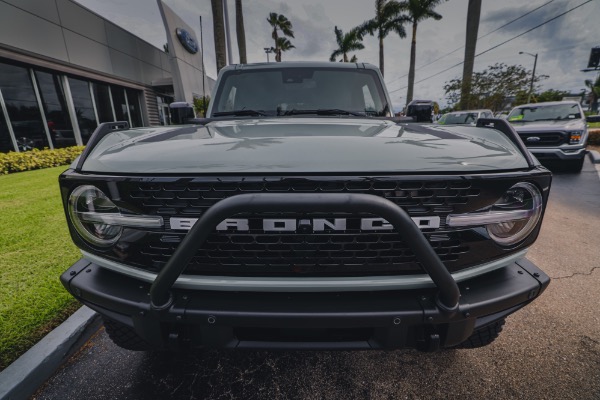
[[476, 219], [132, 221], [260, 284]]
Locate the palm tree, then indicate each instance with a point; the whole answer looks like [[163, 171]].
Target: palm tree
[[240, 32], [280, 23], [283, 44], [346, 43], [473, 13], [219, 33], [418, 10], [387, 19]]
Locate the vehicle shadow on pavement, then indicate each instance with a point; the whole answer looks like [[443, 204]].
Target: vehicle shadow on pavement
[[104, 371], [283, 374]]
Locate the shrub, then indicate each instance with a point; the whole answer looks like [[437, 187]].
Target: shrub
[[37, 159], [594, 137]]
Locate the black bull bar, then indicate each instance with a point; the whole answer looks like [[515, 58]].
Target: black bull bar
[[448, 295]]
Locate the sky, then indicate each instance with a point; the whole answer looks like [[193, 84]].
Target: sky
[[563, 45]]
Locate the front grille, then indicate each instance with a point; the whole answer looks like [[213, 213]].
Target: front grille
[[545, 138], [195, 197], [351, 252], [330, 254]]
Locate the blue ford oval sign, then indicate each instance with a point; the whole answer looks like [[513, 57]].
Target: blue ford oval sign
[[187, 41]]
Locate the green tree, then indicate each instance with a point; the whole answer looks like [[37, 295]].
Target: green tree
[[283, 44], [418, 10], [551, 95], [594, 87], [240, 31], [388, 18], [201, 105], [346, 43], [219, 33], [494, 87], [280, 23]]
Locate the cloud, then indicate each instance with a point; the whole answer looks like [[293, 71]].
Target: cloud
[[563, 45]]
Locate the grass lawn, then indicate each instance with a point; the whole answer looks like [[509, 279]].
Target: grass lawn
[[35, 248], [594, 125]]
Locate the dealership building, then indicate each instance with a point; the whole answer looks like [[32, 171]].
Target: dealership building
[[65, 69]]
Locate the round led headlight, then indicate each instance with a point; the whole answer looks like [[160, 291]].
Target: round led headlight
[[521, 206], [89, 210]]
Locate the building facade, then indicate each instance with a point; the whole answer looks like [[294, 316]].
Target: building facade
[[65, 69]]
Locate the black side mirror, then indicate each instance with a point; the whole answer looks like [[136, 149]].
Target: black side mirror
[[180, 112]]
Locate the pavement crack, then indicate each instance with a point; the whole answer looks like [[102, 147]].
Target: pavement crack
[[575, 274]]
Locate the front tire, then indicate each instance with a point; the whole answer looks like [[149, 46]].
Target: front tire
[[124, 336], [483, 336]]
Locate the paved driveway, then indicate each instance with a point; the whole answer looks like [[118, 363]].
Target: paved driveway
[[549, 350]]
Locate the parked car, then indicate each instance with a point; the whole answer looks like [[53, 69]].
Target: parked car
[[421, 110], [553, 131], [464, 117]]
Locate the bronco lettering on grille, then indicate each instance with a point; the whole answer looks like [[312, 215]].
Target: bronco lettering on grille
[[303, 225]]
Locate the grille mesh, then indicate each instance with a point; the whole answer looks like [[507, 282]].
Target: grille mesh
[[545, 138], [331, 253]]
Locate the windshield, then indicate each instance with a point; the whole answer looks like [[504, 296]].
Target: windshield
[[458, 118], [545, 113], [300, 91]]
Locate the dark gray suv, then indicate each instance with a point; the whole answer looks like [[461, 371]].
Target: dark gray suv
[[553, 131]]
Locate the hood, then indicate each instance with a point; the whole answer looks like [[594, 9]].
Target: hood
[[541, 126], [303, 145]]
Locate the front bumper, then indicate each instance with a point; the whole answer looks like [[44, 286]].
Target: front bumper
[[558, 153], [345, 320]]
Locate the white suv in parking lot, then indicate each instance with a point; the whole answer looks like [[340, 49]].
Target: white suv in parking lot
[[464, 117], [553, 131]]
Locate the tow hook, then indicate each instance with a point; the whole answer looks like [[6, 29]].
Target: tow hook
[[430, 344]]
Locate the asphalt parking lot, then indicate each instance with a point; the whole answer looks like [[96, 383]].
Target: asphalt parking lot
[[549, 350]]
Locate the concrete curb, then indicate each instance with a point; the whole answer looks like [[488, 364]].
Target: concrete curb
[[594, 156], [23, 377]]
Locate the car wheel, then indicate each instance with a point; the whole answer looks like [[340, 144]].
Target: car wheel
[[124, 336], [483, 336]]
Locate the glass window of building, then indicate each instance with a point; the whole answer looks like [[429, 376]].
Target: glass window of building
[[164, 114], [22, 106], [103, 104], [133, 99], [55, 109], [6, 143], [84, 108], [118, 95]]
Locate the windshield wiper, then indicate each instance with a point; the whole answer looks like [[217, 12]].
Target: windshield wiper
[[324, 111], [239, 113]]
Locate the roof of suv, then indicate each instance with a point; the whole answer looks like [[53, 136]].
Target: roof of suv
[[301, 64], [547, 103], [470, 111]]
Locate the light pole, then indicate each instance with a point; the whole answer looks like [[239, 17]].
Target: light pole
[[268, 50], [532, 75], [202, 59], [227, 35]]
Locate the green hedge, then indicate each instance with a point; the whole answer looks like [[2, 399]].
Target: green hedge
[[594, 137], [37, 159]]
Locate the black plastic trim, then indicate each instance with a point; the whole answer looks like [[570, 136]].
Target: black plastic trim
[[505, 127], [392, 319], [101, 131]]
